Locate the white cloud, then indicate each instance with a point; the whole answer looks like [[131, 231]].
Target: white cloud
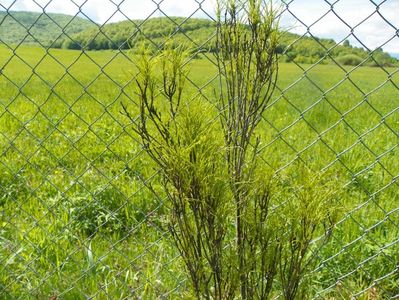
[[115, 10], [374, 28], [315, 16]]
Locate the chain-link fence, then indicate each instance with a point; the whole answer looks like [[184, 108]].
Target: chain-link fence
[[79, 218]]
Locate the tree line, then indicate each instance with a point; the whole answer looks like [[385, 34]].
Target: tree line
[[152, 34], [73, 32]]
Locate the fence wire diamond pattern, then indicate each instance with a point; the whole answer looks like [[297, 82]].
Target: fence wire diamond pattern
[[78, 219]]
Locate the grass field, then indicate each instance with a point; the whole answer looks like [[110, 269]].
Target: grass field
[[77, 223]]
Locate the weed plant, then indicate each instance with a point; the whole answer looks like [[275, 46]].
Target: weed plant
[[221, 218]]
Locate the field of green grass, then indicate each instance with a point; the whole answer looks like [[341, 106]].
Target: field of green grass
[[77, 222]]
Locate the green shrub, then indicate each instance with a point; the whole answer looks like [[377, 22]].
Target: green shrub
[[103, 211], [381, 59], [220, 197], [69, 44], [349, 60]]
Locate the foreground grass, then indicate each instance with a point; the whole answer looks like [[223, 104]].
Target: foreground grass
[[76, 221]]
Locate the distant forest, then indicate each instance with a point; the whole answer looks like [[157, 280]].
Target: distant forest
[[67, 32]]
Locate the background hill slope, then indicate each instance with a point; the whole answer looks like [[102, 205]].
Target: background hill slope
[[200, 35], [37, 28], [68, 32]]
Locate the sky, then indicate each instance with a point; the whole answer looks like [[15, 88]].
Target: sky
[[373, 27]]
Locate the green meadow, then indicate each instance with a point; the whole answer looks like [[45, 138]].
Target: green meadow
[[77, 220]]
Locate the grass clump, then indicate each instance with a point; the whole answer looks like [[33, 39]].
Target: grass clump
[[104, 210]]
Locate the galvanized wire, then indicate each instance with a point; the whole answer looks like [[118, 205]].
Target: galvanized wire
[[336, 280]]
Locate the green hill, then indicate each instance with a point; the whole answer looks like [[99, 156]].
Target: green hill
[[199, 34], [151, 33], [313, 50], [37, 28], [63, 31]]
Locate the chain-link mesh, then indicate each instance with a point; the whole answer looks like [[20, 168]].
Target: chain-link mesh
[[78, 218]]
